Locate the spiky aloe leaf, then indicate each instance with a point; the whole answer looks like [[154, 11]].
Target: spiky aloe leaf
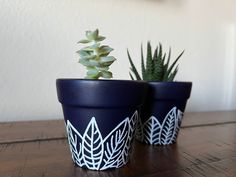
[[166, 65], [149, 62], [158, 64], [158, 67], [169, 69], [173, 74], [133, 68], [156, 70], [132, 78], [144, 72]]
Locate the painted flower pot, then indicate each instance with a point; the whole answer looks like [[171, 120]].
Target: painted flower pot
[[100, 118], [162, 113]]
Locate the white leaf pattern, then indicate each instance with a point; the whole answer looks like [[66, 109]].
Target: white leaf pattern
[[73, 136], [127, 149], [168, 127], [92, 144], [180, 115], [177, 127], [97, 153], [152, 129], [114, 144], [165, 133], [139, 130]]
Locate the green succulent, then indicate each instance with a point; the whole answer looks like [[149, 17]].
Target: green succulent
[[95, 57], [158, 66]]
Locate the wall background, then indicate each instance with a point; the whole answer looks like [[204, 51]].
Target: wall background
[[38, 44]]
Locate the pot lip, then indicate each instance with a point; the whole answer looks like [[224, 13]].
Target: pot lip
[[170, 82], [101, 93], [99, 80], [170, 90]]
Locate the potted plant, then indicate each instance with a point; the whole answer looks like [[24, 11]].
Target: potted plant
[[100, 115], [162, 113]]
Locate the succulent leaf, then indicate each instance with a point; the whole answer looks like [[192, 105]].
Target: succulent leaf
[[172, 75], [158, 66], [100, 38], [144, 72], [166, 65], [133, 68], [104, 50], [92, 72], [131, 76], [149, 62], [89, 63], [169, 70], [106, 74], [107, 60], [83, 53], [104, 68], [84, 41], [92, 35]]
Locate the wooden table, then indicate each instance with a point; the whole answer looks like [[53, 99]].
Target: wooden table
[[206, 147]]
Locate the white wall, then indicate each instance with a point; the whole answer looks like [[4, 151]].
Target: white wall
[[38, 44]]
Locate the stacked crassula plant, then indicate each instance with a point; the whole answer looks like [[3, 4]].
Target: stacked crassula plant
[[158, 67], [95, 56]]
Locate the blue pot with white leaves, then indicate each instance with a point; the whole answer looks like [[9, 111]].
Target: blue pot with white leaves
[[100, 118], [162, 113]]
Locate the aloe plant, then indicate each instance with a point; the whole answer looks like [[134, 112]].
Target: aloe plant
[[95, 57], [158, 66]]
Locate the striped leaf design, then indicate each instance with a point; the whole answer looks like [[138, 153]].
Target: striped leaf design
[[168, 127], [115, 143], [76, 149], [127, 149], [152, 129], [92, 144], [165, 133], [139, 130], [96, 153]]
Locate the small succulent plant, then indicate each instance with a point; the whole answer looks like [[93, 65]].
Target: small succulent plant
[[95, 56], [158, 67]]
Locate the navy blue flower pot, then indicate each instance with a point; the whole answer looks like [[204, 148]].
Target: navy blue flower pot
[[162, 113], [100, 117]]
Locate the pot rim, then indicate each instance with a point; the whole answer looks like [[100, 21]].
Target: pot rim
[[170, 82], [170, 90], [101, 93], [99, 80]]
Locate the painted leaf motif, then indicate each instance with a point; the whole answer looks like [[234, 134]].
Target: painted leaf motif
[[180, 116], [91, 151], [114, 144], [152, 129], [92, 144], [139, 130], [128, 145], [76, 149], [178, 121], [168, 127]]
